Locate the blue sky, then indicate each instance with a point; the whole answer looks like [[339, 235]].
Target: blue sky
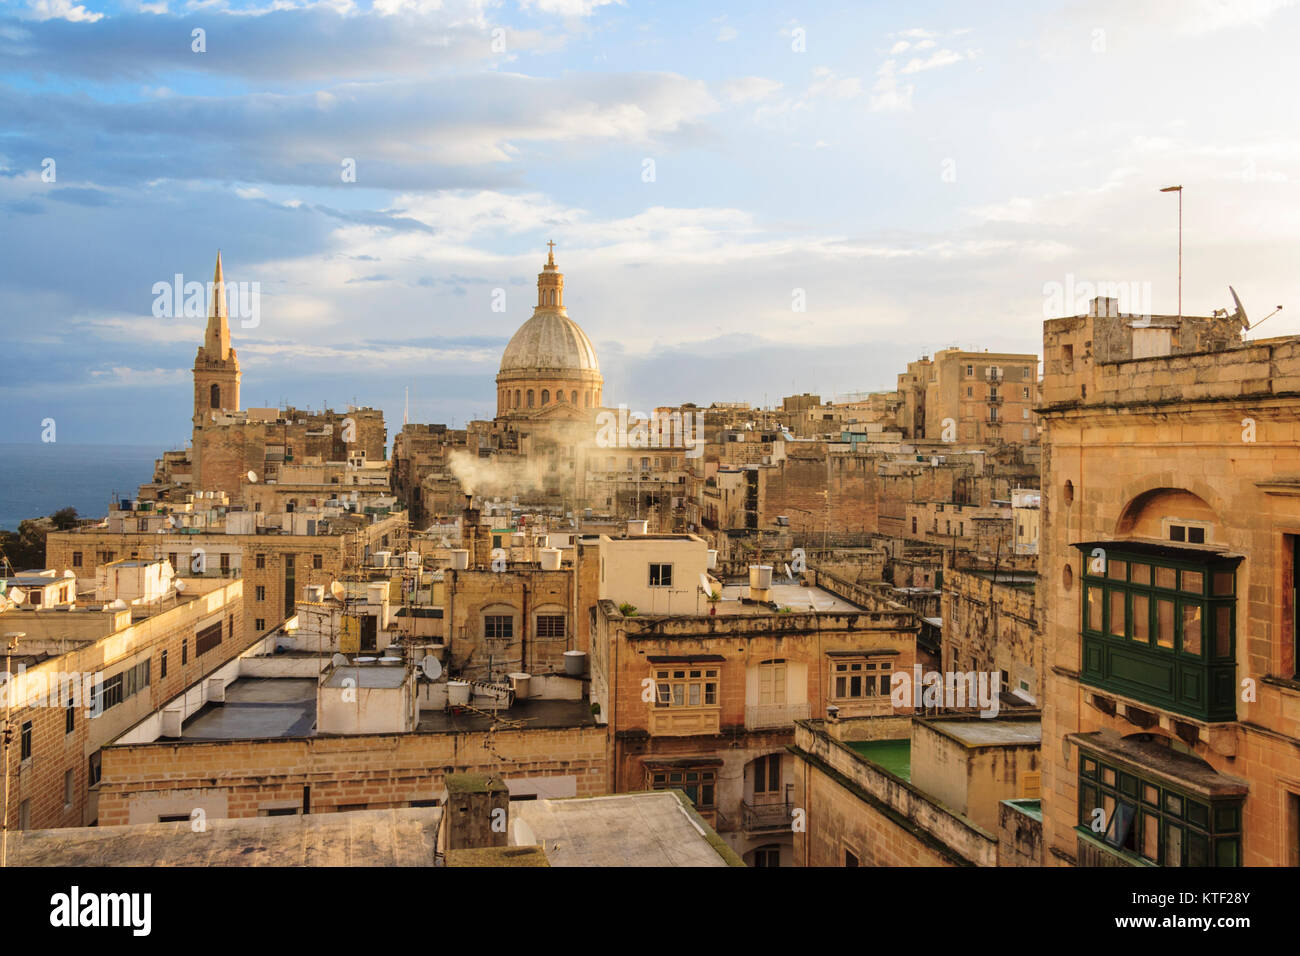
[[921, 172]]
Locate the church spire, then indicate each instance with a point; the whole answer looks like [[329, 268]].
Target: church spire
[[216, 342], [550, 283]]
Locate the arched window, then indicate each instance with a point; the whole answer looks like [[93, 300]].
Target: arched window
[[586, 400], [516, 398], [214, 396], [530, 398], [559, 395], [573, 396], [546, 396]]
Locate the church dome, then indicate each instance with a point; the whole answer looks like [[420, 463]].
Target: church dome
[[550, 341], [549, 361]]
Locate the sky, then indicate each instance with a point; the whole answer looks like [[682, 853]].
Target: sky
[[748, 200]]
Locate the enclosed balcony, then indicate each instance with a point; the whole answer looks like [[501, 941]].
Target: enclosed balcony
[[1159, 625]]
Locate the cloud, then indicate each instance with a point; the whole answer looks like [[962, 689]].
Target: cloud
[[282, 46], [727, 33], [937, 59], [401, 134], [567, 8], [62, 10], [887, 95], [746, 89]]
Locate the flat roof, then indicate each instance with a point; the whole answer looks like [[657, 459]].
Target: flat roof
[[894, 756], [258, 707], [404, 837], [635, 829], [991, 732], [797, 597], [375, 676], [533, 714]]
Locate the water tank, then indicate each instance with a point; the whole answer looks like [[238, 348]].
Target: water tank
[[459, 559], [550, 559], [760, 576], [314, 593], [518, 539], [381, 558], [457, 693], [519, 683], [575, 663], [413, 559], [637, 527]]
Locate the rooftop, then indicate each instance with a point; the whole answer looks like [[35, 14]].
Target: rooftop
[[634, 829], [990, 732], [258, 707], [894, 756], [358, 838], [797, 597]]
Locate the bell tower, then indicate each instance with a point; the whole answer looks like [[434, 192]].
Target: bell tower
[[216, 368]]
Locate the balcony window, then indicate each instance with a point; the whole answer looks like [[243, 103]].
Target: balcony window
[[1150, 821], [688, 687], [862, 679], [700, 786], [1159, 625]]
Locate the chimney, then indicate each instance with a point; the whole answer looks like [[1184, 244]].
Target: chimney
[[475, 813]]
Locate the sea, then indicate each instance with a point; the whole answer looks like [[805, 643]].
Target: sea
[[38, 479]]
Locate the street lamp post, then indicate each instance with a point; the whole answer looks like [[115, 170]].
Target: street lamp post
[[1179, 190]]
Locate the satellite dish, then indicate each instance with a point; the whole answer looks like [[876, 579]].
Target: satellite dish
[[252, 476], [180, 586], [16, 595], [431, 666], [788, 573], [337, 589], [1240, 314], [704, 583], [69, 573], [339, 660]]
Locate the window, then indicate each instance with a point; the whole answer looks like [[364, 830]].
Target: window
[[661, 575], [1186, 531], [546, 396], [26, 742], [260, 593], [970, 371], [207, 639], [67, 789], [771, 682], [25, 814], [185, 651], [1159, 625], [530, 398], [162, 666], [686, 687], [498, 625], [862, 678], [76, 559], [767, 774], [1144, 818], [769, 855], [550, 625], [259, 561], [970, 391], [69, 717], [699, 785], [259, 624], [214, 396], [317, 561]]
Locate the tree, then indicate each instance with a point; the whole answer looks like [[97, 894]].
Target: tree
[[64, 519]]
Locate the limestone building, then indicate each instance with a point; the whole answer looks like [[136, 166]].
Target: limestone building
[[1171, 522]]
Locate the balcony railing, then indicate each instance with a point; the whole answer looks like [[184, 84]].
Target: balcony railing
[[766, 716], [765, 816]]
